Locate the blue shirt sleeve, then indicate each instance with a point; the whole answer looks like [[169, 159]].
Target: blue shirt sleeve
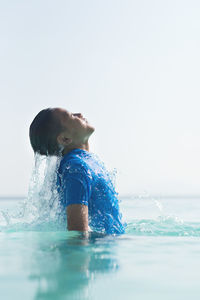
[[76, 186]]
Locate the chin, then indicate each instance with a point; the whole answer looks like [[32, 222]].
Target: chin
[[90, 129]]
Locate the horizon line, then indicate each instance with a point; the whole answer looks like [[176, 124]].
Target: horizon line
[[129, 196]]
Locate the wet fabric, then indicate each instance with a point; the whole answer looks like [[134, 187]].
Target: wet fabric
[[83, 179]]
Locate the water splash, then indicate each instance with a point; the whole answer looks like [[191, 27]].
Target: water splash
[[147, 216], [41, 209], [163, 226]]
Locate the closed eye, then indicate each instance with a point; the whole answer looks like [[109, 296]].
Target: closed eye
[[78, 115]]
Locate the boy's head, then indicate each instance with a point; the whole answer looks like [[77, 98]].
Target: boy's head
[[54, 129]]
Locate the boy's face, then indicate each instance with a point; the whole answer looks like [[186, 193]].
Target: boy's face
[[76, 127]]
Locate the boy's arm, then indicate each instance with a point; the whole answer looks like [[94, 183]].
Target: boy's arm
[[77, 217]]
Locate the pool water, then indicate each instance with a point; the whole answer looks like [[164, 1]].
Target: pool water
[[157, 258]]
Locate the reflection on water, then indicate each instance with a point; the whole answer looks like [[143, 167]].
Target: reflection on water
[[64, 264]]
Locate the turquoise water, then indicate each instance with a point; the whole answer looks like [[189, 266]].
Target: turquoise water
[[157, 258]]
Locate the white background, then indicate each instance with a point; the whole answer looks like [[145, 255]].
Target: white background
[[131, 67]]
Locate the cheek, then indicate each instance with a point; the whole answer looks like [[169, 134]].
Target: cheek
[[81, 124], [78, 127]]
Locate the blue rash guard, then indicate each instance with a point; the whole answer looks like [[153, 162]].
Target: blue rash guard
[[83, 179]]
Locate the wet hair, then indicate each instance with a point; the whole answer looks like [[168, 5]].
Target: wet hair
[[43, 133]]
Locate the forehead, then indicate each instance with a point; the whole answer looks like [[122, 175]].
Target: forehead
[[61, 113]]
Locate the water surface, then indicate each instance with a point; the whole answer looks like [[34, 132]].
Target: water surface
[[157, 258]]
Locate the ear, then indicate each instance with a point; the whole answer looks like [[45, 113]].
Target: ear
[[63, 140]]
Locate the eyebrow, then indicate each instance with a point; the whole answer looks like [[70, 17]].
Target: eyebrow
[[67, 113]]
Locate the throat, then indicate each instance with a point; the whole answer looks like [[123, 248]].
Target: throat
[[84, 146]]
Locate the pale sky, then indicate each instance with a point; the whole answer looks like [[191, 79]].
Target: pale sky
[[131, 67]]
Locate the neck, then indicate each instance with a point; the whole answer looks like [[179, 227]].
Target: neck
[[84, 146]]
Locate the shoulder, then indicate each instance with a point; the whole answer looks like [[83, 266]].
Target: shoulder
[[75, 167]]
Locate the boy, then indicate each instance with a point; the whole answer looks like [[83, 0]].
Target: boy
[[85, 187]]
